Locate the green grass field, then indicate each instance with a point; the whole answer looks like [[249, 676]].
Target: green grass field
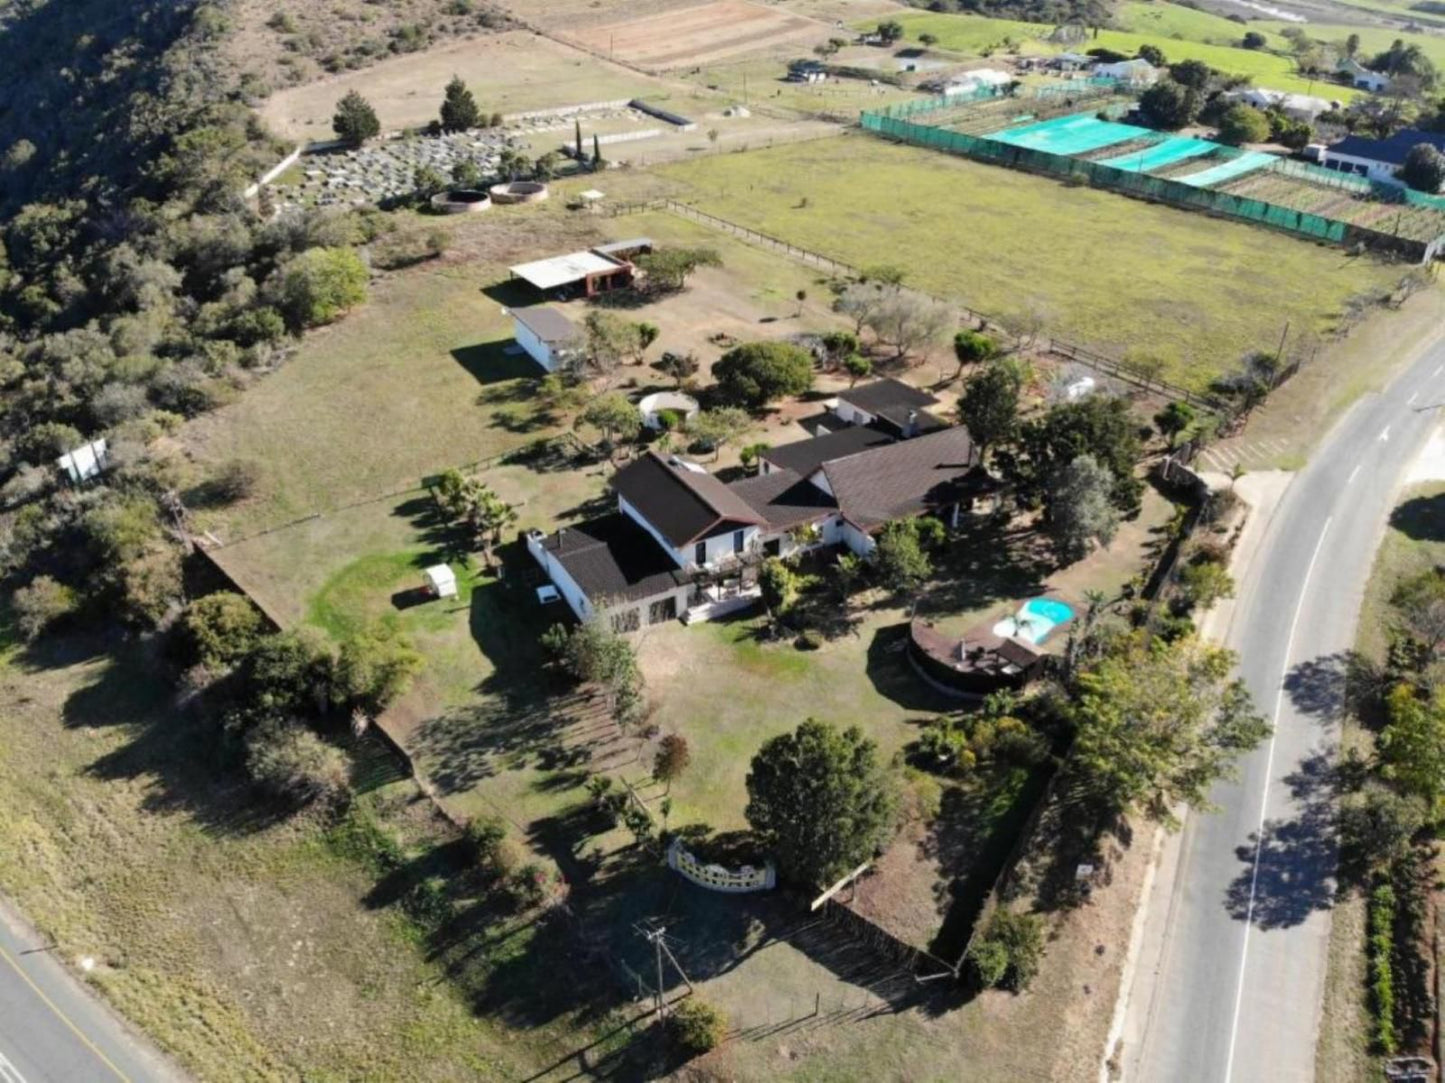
[[1181, 33], [1098, 268]]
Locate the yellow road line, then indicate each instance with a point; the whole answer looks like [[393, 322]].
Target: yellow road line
[[5, 955]]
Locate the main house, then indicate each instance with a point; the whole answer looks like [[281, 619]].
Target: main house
[[681, 541]]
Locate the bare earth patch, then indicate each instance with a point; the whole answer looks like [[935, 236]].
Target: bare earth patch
[[696, 35]]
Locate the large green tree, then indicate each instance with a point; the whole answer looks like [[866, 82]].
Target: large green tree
[[820, 802], [1168, 105], [355, 120], [319, 285], [1158, 723], [1412, 744], [1424, 168], [757, 373], [989, 405], [459, 108], [1080, 511], [1100, 426]]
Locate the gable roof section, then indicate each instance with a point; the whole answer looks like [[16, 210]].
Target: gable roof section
[[907, 478], [886, 394], [805, 456], [1392, 150], [681, 506], [614, 560], [785, 499]]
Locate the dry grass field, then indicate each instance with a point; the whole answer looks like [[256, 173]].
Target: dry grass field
[[698, 35], [509, 73]]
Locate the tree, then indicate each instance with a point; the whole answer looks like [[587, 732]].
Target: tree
[[928, 40], [40, 603], [779, 586], [801, 297], [680, 366], [890, 30], [1352, 46], [1253, 39], [577, 139], [971, 348], [1007, 950], [459, 108], [846, 572], [1424, 168], [667, 269], [1099, 426], [989, 406], [1080, 509], [696, 1026], [1243, 124], [1377, 828], [671, 760], [608, 339], [901, 557], [1168, 106], [374, 667], [288, 674], [294, 764], [597, 160], [220, 629], [1204, 582], [1195, 75], [716, 428], [1420, 603], [838, 346], [757, 373], [749, 455], [319, 285], [1153, 54], [859, 301], [355, 120], [546, 165], [909, 321], [616, 418], [819, 801], [1174, 419], [1159, 723], [1412, 744], [595, 655]]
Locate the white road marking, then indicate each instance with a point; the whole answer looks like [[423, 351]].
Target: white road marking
[[1437, 370], [1264, 796], [1385, 434], [8, 1072], [1353, 472], [1411, 400]]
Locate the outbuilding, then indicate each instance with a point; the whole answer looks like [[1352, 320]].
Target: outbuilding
[[441, 581], [1377, 159], [1134, 72], [549, 337], [84, 462]]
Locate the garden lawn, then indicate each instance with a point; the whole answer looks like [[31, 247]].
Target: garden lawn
[[1096, 267]]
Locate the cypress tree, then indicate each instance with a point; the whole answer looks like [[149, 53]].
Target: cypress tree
[[596, 152], [577, 140]]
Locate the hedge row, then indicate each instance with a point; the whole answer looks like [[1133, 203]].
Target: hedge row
[[1381, 966]]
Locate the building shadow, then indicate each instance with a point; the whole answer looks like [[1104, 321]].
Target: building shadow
[[491, 363]]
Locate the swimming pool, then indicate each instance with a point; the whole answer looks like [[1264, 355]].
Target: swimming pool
[[1035, 619]]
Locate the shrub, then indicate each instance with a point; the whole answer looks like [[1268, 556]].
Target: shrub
[[219, 630], [320, 284], [235, 479], [375, 666], [1382, 977], [1243, 124], [1008, 950], [40, 603], [528, 886], [696, 1026], [292, 763]]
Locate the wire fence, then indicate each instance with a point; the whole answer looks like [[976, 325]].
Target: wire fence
[[1154, 189], [1138, 376]]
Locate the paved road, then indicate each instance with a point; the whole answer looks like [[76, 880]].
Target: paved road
[[1238, 979], [52, 1030]]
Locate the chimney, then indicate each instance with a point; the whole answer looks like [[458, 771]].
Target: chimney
[[910, 429]]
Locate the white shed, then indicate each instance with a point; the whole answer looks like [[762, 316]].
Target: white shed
[[548, 336], [84, 462], [441, 581]]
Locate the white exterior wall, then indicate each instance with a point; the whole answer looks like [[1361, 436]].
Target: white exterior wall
[[856, 540], [1379, 171], [846, 411], [718, 548], [538, 350], [820, 481], [565, 584]]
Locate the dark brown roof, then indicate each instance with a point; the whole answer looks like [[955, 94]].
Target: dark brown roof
[[907, 478], [784, 499], [681, 505], [886, 397], [805, 456], [613, 559]]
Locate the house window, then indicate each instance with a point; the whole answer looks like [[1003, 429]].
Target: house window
[[737, 541], [699, 553], [657, 612]]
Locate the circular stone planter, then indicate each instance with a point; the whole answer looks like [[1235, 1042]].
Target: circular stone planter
[[461, 201], [519, 192], [685, 406]]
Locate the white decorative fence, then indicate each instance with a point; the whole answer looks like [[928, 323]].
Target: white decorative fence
[[717, 878]]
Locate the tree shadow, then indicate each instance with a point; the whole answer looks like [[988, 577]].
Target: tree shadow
[[988, 562], [1297, 857], [1421, 518], [1319, 686]]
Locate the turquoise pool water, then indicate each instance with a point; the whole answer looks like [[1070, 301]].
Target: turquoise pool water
[[1035, 619]]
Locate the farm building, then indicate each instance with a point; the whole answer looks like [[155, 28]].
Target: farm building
[[1134, 72], [1295, 106], [549, 337], [1361, 77], [969, 81], [1378, 159], [84, 462], [597, 270]]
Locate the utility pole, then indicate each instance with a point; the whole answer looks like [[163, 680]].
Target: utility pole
[[657, 938]]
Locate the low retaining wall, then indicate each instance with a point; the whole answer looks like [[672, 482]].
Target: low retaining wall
[[518, 192], [449, 203], [252, 191], [716, 878], [570, 148], [567, 110]]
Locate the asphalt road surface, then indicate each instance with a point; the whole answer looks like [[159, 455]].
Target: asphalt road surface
[[1239, 984], [53, 1030]]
